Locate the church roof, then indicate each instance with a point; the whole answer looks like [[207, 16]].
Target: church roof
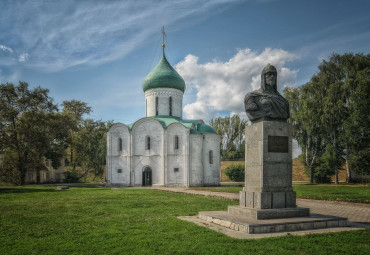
[[163, 76], [195, 126]]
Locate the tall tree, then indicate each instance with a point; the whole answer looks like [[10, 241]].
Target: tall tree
[[90, 145], [330, 114], [27, 133], [356, 135], [231, 130], [305, 119], [74, 110]]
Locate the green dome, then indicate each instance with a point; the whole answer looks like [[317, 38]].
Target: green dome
[[163, 76]]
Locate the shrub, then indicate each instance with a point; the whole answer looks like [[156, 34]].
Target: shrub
[[71, 176], [235, 172]]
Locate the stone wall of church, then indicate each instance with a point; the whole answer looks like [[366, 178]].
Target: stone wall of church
[[187, 162], [211, 156], [143, 157], [196, 162], [118, 155], [163, 95], [177, 155]]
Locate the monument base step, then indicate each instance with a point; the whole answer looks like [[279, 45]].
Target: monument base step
[[253, 226], [264, 214]]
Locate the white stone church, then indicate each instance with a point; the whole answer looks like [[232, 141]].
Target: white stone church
[[163, 149]]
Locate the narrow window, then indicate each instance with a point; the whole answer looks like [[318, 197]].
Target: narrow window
[[119, 171], [211, 157], [176, 169], [156, 106], [119, 144], [147, 143], [176, 145], [170, 106]]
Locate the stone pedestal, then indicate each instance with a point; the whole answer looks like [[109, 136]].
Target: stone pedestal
[[268, 173], [268, 202]]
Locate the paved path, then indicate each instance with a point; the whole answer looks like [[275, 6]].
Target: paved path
[[355, 212]]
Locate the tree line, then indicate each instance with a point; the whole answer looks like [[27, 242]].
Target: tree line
[[33, 128], [330, 117]]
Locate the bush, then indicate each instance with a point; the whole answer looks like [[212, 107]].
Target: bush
[[235, 172], [71, 176]]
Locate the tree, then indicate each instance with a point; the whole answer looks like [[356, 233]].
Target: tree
[[356, 136], [306, 124], [90, 147], [231, 130], [28, 131], [74, 110], [330, 115]]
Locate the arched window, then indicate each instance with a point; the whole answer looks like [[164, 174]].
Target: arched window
[[147, 143], [119, 144], [211, 157], [156, 106], [176, 142], [170, 102]]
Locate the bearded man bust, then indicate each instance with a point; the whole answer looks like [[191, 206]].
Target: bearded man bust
[[266, 103]]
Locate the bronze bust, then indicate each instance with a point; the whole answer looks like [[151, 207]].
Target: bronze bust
[[266, 103]]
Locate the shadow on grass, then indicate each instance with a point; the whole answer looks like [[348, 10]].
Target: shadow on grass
[[25, 190]]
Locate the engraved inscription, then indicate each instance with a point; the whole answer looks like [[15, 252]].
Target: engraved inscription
[[278, 144]]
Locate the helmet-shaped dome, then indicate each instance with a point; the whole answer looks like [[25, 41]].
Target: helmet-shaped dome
[[163, 76]]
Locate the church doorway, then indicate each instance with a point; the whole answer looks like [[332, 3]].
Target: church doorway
[[147, 176]]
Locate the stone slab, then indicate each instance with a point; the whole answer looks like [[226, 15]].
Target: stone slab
[[244, 235], [261, 214], [252, 226]]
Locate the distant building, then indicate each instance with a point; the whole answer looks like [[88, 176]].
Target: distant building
[[162, 148], [51, 175]]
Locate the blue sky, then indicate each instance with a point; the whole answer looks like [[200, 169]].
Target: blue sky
[[99, 52]]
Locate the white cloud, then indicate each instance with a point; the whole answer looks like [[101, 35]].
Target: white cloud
[[61, 34], [221, 86], [6, 49], [23, 57]]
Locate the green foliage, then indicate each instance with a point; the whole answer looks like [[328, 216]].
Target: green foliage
[[30, 130], [74, 110], [71, 176], [357, 131], [39, 220], [90, 146], [330, 116], [235, 172], [326, 165], [231, 131]]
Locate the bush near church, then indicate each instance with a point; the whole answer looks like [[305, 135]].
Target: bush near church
[[235, 172]]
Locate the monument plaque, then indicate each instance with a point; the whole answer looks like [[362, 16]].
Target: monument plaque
[[278, 144]]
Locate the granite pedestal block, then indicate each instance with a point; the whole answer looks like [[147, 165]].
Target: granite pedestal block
[[268, 202]]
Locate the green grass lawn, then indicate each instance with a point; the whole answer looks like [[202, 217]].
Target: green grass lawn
[[348, 193], [41, 220]]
